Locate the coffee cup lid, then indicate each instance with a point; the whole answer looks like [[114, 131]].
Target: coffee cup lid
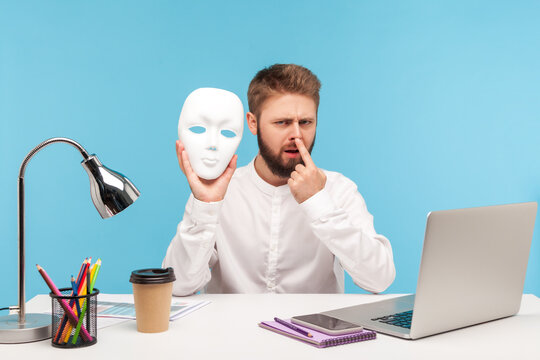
[[152, 276]]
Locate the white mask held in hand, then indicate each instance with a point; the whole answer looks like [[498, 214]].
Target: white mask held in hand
[[210, 127]]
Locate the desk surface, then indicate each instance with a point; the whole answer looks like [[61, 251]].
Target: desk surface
[[227, 329]]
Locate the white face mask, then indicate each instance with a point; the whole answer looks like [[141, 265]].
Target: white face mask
[[210, 127]]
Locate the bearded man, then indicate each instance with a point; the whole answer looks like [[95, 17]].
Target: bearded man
[[279, 224]]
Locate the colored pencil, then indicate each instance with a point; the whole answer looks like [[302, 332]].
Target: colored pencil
[[95, 270], [81, 270], [60, 330], [74, 293], [88, 280], [81, 285], [72, 317], [81, 290]]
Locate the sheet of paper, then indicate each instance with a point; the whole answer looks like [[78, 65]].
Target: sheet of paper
[[182, 308], [122, 307]]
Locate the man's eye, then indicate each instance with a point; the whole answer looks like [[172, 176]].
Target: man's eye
[[197, 129], [305, 122]]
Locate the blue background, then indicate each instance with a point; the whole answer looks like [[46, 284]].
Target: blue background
[[425, 105]]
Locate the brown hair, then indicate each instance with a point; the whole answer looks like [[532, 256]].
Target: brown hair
[[282, 78]]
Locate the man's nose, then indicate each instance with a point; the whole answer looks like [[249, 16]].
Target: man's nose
[[295, 131]]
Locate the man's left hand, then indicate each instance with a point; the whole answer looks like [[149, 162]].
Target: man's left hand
[[306, 180]]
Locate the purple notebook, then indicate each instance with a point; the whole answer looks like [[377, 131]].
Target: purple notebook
[[319, 339]]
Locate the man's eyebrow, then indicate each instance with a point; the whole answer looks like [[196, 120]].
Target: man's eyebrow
[[285, 118]]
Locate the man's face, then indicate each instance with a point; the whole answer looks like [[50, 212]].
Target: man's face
[[283, 118]]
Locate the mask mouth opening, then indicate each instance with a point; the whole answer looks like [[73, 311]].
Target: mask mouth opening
[[209, 162]]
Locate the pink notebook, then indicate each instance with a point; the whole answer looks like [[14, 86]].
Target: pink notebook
[[319, 339]]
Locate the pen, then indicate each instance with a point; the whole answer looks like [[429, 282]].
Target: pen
[[291, 326]]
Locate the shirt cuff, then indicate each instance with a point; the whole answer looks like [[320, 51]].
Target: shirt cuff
[[204, 212], [318, 205]]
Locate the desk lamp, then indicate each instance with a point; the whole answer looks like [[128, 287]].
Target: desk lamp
[[111, 193]]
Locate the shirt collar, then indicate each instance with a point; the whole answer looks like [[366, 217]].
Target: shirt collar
[[263, 185]]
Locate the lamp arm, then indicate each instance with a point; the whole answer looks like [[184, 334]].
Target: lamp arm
[[45, 143]]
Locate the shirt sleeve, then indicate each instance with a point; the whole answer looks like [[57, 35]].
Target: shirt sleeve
[[340, 219], [192, 251]]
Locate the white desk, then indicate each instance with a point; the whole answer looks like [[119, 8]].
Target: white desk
[[227, 329]]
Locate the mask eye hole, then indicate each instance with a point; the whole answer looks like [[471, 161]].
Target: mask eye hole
[[197, 129], [228, 133]]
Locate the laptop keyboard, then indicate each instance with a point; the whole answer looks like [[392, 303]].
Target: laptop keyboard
[[402, 319]]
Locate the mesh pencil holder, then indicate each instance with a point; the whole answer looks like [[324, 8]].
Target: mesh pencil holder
[[67, 330]]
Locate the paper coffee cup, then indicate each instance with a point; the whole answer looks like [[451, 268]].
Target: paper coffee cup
[[152, 290]]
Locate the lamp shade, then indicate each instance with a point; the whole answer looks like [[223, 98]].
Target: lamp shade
[[111, 191]]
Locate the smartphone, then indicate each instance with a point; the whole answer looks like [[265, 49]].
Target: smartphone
[[326, 324]]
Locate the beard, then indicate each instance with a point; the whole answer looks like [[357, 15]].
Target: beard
[[275, 163]]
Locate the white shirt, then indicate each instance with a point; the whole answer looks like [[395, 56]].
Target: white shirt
[[259, 239]]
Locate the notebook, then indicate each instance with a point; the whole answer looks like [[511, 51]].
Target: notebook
[[319, 339]]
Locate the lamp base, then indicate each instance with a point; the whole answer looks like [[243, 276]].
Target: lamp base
[[37, 327]]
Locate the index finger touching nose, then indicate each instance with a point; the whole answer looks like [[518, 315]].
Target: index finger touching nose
[[304, 152]]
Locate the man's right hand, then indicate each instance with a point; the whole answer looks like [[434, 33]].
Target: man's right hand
[[202, 189]]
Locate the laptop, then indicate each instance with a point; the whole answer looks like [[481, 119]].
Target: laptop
[[472, 270]]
